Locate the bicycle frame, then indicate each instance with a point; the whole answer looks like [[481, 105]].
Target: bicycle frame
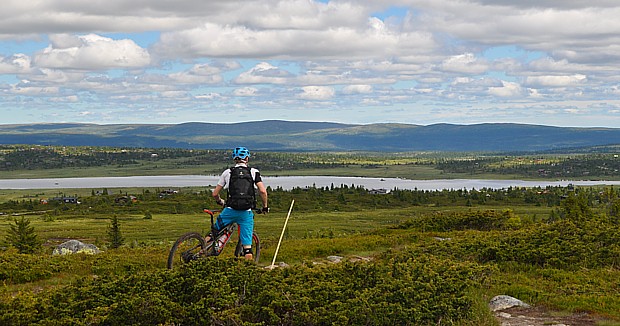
[[218, 239]]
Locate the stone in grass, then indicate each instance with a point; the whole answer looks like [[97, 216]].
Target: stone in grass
[[334, 259], [502, 302], [75, 246]]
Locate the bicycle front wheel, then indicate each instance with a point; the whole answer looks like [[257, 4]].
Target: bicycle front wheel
[[187, 248], [255, 247]]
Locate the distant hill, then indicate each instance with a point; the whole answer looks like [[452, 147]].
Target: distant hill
[[276, 135]]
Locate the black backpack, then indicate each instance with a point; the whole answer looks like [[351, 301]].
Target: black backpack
[[241, 194]]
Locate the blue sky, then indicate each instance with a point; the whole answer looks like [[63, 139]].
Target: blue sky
[[420, 62]]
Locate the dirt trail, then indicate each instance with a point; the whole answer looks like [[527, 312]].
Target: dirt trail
[[536, 316]]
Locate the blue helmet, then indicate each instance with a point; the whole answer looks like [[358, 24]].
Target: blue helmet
[[240, 152]]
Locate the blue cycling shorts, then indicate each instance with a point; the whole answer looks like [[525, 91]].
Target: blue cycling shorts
[[245, 220]]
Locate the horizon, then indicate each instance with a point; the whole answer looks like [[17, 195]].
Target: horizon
[[303, 121], [411, 62]]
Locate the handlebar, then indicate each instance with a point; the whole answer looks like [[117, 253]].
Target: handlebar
[[211, 211]]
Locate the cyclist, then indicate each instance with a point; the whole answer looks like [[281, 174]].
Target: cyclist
[[241, 197]]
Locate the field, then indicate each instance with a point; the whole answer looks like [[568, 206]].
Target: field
[[409, 257], [508, 240]]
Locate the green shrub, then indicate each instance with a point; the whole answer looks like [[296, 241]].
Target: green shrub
[[457, 221], [396, 290], [17, 268]]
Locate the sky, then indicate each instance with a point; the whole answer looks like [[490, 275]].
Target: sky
[[544, 62]]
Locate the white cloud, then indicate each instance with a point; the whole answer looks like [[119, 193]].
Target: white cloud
[[16, 64], [209, 96], [35, 90], [508, 89], [245, 91], [264, 73], [91, 52], [371, 39], [65, 99], [357, 89], [464, 63], [199, 74], [317, 93], [555, 81]]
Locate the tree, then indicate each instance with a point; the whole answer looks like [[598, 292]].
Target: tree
[[22, 236], [114, 234], [576, 207]]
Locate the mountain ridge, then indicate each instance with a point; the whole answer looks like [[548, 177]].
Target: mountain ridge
[[280, 135]]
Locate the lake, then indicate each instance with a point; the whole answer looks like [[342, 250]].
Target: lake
[[283, 182]]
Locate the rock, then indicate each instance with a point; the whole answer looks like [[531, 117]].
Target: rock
[[334, 259], [502, 302], [75, 246]]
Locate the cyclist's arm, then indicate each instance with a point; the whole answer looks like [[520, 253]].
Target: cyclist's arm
[[216, 194], [262, 192], [221, 183]]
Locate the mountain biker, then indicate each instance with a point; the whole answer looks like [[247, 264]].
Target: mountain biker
[[242, 215]]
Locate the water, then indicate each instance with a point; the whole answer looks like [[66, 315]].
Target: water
[[283, 182]]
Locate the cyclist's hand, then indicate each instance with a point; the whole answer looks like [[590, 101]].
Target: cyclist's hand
[[265, 210], [221, 202]]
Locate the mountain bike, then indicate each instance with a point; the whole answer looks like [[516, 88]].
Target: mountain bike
[[193, 245]]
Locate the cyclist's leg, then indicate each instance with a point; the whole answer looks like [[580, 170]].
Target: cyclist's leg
[[226, 217], [223, 219], [246, 227]]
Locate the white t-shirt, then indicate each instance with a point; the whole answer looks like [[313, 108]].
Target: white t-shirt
[[225, 177]]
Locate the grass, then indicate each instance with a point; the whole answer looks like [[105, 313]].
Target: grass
[[311, 237]]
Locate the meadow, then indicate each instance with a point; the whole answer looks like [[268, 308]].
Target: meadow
[[445, 253]]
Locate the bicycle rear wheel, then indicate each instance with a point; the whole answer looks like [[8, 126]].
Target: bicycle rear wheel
[[255, 247], [187, 248]]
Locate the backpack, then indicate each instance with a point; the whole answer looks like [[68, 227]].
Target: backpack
[[241, 194]]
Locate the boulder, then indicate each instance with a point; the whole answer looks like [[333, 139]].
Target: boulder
[[75, 246], [334, 259], [502, 302]]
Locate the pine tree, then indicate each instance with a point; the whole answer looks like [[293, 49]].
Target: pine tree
[[114, 234], [22, 236]]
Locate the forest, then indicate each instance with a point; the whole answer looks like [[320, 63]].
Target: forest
[[580, 165]]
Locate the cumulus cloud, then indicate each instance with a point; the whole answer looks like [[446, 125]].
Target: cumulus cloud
[[245, 91], [15, 64], [264, 72], [91, 52], [317, 93], [464, 63], [198, 74], [555, 81], [373, 39], [508, 89], [357, 89]]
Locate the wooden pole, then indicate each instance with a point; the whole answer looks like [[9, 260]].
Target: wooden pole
[[272, 266]]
